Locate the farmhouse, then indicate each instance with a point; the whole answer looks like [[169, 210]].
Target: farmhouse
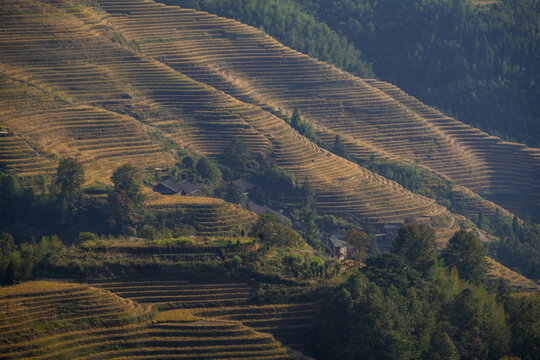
[[246, 184], [341, 249], [185, 188], [262, 209]]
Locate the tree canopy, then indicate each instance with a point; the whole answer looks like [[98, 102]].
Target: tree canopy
[[467, 253], [68, 184], [416, 243], [126, 197]]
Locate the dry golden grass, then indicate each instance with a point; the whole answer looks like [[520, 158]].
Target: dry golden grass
[[113, 66], [35, 288], [196, 114], [372, 117], [154, 199], [516, 280], [177, 315]]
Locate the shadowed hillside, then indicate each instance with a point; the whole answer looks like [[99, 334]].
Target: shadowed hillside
[[46, 320], [101, 68], [372, 117]]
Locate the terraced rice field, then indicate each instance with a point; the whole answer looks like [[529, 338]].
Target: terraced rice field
[[19, 156], [517, 281], [102, 140], [289, 323], [208, 215], [51, 320], [46, 320], [204, 81], [200, 329], [179, 292], [191, 113], [372, 117]]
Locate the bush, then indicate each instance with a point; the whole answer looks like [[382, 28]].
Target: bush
[[147, 232], [84, 237]]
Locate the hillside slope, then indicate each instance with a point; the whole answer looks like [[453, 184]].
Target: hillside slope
[[75, 57], [57, 320], [372, 117]]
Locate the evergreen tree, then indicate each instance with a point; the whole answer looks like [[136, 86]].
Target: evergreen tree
[[10, 277], [467, 253], [339, 149], [295, 119], [7, 245], [416, 243], [126, 198], [68, 185]]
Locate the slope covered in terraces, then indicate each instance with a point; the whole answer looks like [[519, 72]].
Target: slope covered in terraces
[[58, 320], [372, 117], [96, 77]]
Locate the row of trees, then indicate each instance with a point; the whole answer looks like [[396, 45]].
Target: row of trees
[[25, 261], [28, 211]]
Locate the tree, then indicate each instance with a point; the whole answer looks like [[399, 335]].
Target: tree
[[295, 119], [311, 230], [308, 193], [271, 232], [467, 253], [362, 242], [480, 325], [10, 191], [523, 317], [339, 148], [207, 170], [238, 157], [84, 237], [7, 245], [188, 162], [68, 184], [236, 194], [11, 274], [442, 347], [126, 197], [416, 243], [303, 127], [147, 232]]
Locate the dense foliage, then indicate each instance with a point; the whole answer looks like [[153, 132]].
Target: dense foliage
[[466, 253], [26, 261], [416, 243], [388, 310], [519, 244], [478, 63], [474, 62]]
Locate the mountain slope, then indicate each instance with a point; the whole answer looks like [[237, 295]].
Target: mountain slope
[[372, 117], [88, 63]]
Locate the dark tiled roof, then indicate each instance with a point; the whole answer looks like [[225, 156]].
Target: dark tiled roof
[[261, 209], [338, 241], [188, 187], [246, 184], [184, 186]]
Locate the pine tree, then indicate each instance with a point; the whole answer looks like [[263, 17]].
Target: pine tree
[[339, 148]]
